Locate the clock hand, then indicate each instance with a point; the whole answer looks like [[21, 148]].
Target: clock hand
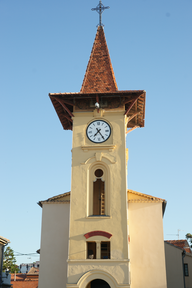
[[98, 131], [101, 134]]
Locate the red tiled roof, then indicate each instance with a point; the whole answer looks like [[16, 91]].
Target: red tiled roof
[[183, 244], [99, 76], [25, 284], [19, 277], [24, 280]]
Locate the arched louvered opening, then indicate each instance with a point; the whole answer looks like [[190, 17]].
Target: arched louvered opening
[[99, 194]]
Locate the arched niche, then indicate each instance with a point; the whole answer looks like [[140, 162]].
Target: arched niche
[[98, 190]]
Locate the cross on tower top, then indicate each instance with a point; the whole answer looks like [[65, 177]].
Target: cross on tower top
[[100, 8]]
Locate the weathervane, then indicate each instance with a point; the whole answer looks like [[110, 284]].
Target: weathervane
[[100, 8]]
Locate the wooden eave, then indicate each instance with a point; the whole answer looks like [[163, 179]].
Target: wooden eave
[[132, 100]]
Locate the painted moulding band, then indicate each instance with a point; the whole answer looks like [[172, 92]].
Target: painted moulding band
[[97, 261], [98, 233], [98, 147], [93, 217]]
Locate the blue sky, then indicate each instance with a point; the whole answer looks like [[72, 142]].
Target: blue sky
[[45, 47]]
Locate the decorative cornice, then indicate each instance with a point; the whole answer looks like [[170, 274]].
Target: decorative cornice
[[86, 148], [98, 261]]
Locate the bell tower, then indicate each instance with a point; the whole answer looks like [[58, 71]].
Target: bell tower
[[100, 117]]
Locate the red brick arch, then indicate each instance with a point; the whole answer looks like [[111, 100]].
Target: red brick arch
[[98, 233]]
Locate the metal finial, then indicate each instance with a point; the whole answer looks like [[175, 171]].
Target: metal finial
[[100, 8]]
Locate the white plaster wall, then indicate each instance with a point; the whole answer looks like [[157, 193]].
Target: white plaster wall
[[54, 246], [147, 257], [118, 269], [174, 266]]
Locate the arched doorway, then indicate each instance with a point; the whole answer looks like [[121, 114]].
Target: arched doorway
[[98, 283]]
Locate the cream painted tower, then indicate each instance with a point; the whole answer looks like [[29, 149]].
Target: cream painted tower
[[99, 115]]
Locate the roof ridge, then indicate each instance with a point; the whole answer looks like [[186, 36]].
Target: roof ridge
[[99, 76], [178, 240], [146, 195], [54, 198], [181, 243]]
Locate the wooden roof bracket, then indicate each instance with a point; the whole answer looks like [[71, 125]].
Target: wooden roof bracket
[[131, 105], [130, 130], [68, 102], [64, 106], [130, 100], [133, 116], [67, 117]]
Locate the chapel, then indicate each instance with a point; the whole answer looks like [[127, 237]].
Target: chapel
[[101, 233]]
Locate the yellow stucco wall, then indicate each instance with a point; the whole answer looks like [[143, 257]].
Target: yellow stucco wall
[[147, 259], [110, 156], [54, 245]]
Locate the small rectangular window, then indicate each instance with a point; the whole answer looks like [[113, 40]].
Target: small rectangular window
[[105, 250], [186, 270], [91, 250]]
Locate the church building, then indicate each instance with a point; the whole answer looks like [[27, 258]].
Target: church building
[[101, 234]]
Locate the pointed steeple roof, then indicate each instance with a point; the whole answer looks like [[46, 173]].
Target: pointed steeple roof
[[99, 85], [99, 76]]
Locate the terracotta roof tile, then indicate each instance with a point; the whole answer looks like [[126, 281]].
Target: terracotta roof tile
[[99, 76], [25, 284], [183, 244], [57, 198], [4, 241], [23, 281], [18, 277]]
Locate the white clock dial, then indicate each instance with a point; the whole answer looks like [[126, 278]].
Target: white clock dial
[[98, 131]]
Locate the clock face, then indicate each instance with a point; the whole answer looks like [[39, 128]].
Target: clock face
[[98, 131]]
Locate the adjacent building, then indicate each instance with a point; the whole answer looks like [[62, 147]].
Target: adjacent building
[[5, 278], [178, 257]]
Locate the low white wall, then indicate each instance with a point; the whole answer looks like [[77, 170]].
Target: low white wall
[[147, 256], [54, 246]]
